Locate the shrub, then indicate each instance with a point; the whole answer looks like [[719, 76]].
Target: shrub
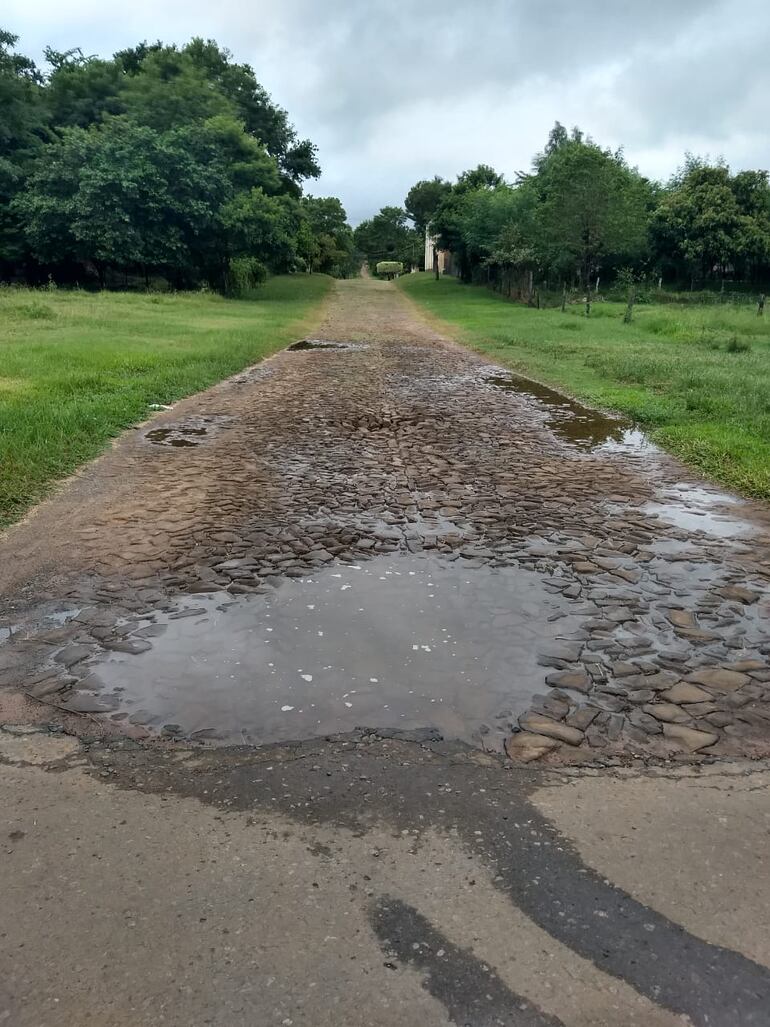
[[736, 345], [389, 268], [244, 274]]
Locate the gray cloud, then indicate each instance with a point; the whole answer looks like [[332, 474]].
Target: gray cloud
[[395, 92]]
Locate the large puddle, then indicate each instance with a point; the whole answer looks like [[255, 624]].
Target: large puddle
[[396, 642], [573, 422]]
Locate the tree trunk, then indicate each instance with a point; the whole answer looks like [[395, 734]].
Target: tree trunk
[[435, 263], [761, 305], [630, 306], [564, 298]]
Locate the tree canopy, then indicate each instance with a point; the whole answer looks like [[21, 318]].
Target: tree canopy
[[388, 236], [162, 160], [583, 213]]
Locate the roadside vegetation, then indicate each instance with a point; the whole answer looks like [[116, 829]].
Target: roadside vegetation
[[583, 218], [161, 163], [695, 376], [78, 367]]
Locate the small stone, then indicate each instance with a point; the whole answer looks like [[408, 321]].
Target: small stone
[[738, 594], [72, 654], [641, 695], [559, 653], [615, 726], [134, 646], [720, 718], [690, 738], [622, 669], [658, 682], [537, 724], [526, 747], [700, 709], [582, 717], [719, 679], [681, 618], [644, 721], [575, 679], [667, 712], [685, 692], [82, 702]]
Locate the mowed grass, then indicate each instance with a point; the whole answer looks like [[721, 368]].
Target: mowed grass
[[697, 378], [76, 368]]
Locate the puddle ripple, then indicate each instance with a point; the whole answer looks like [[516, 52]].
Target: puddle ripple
[[397, 642]]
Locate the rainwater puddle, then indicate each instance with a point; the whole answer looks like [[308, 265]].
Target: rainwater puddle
[[175, 436], [186, 434], [305, 344], [693, 508], [395, 642], [575, 423]]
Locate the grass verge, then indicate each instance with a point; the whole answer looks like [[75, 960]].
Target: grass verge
[[697, 378], [77, 368]]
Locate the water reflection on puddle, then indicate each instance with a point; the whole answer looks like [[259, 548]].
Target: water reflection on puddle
[[396, 642], [575, 423], [693, 508]]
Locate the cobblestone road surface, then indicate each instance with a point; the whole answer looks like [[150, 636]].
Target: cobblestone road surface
[[488, 678]]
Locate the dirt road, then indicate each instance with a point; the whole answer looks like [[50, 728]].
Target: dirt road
[[378, 686]]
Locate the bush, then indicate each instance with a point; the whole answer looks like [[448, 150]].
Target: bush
[[736, 345], [244, 274], [389, 268]]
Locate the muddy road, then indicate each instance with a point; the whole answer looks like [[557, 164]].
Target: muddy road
[[379, 685]]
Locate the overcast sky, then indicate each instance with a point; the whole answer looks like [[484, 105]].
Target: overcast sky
[[394, 92]]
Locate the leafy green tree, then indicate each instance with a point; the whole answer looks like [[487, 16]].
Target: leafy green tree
[[330, 248], [388, 236], [81, 90], [709, 221], [163, 160], [423, 199], [23, 133], [118, 196], [450, 219], [593, 208]]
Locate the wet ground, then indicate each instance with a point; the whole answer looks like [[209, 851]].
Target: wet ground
[[377, 529], [393, 574]]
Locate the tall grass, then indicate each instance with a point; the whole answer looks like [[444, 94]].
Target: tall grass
[[76, 368], [696, 377]]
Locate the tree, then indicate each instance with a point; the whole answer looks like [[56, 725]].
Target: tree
[[423, 199], [709, 221], [387, 236], [592, 208], [163, 160], [697, 222], [23, 133], [449, 221], [118, 196], [330, 245]]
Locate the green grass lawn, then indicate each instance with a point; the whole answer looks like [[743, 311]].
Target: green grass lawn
[[76, 368], [697, 378]]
